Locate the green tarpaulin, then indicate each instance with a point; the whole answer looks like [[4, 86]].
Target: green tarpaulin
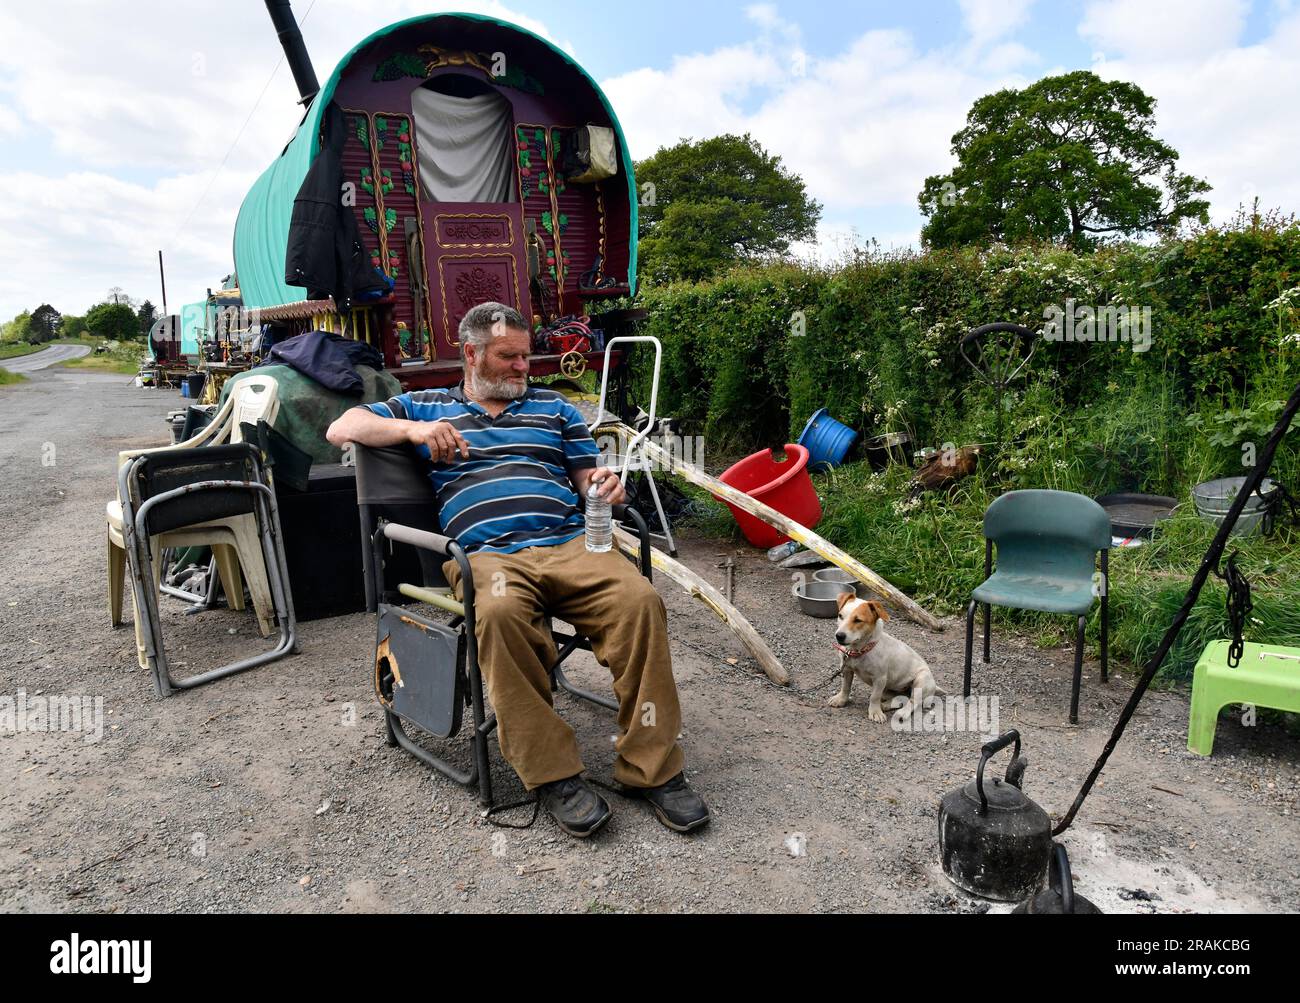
[[307, 409]]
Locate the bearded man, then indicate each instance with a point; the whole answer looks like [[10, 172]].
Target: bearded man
[[509, 464]]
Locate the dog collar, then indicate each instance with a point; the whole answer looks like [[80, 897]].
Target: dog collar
[[856, 654]]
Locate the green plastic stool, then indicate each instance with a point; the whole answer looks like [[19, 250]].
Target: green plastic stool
[[1269, 676]]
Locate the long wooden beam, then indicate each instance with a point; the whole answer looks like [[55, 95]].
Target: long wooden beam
[[792, 529], [699, 589]]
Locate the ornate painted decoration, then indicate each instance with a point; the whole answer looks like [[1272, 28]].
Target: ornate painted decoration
[[427, 58]]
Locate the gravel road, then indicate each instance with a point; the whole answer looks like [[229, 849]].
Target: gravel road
[[43, 359], [274, 791]]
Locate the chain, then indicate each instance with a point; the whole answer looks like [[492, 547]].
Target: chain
[[1239, 608]]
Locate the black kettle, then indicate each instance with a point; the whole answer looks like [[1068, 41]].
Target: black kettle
[[995, 842], [1059, 899]]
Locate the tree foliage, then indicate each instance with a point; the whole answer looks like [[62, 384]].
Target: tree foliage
[[1072, 158], [707, 205], [44, 325], [145, 317], [115, 321], [16, 329]]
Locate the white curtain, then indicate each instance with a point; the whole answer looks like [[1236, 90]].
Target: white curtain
[[465, 146]]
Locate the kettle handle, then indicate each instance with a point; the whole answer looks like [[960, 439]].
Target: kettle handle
[[1061, 880], [990, 750]]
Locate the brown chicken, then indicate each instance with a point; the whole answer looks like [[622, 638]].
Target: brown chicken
[[945, 471]]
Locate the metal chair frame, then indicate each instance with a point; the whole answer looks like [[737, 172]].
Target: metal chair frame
[[137, 537]]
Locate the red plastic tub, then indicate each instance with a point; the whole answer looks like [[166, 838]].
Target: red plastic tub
[[784, 486]]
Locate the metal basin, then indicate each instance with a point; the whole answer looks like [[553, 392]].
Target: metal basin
[[1214, 499], [820, 599], [840, 577]]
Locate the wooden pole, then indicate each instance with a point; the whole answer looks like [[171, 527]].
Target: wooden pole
[[801, 534], [699, 589]]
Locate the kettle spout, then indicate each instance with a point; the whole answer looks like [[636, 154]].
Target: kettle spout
[[1016, 772]]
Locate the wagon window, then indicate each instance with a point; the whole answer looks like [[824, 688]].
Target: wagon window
[[464, 133]]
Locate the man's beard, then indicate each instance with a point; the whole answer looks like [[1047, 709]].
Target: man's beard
[[497, 390]]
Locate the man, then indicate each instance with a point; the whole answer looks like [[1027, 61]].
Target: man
[[509, 463]]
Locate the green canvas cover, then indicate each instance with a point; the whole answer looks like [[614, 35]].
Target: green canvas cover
[[307, 409], [262, 227]]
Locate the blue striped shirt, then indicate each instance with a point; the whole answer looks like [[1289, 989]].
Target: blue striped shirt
[[515, 491]]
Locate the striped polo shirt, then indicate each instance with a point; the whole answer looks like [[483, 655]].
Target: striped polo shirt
[[514, 491]]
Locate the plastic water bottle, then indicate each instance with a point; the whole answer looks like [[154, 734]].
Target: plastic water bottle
[[600, 528], [783, 551]]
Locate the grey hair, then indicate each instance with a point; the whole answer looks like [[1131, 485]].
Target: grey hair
[[485, 320]]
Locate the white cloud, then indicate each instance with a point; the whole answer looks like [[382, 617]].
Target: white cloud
[[988, 20], [863, 127], [1164, 29], [10, 122], [156, 93], [1228, 112]]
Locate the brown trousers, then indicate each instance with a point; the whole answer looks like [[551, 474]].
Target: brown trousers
[[605, 599]]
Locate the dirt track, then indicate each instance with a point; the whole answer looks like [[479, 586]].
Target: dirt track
[[255, 795]]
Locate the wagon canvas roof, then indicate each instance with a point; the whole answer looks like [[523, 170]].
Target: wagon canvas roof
[[262, 227]]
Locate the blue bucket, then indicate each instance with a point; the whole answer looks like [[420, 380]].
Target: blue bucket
[[828, 442]]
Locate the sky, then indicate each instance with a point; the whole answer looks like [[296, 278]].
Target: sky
[[131, 126]]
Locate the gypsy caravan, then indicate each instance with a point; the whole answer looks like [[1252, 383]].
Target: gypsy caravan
[[473, 161]]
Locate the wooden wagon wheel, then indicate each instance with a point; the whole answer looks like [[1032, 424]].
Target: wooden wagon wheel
[[573, 365]]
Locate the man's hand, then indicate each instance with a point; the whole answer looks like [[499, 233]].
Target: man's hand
[[443, 440], [611, 488]]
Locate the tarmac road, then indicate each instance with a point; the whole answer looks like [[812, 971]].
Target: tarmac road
[[45, 358]]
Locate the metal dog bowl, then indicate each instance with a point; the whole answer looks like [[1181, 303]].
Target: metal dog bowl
[[840, 577], [820, 599]]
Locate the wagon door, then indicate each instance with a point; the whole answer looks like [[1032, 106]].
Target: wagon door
[[471, 219]]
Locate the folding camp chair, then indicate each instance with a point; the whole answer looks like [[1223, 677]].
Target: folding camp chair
[[168, 491], [1047, 546], [235, 560], [427, 671]]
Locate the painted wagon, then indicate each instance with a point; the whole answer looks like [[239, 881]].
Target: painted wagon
[[480, 163]]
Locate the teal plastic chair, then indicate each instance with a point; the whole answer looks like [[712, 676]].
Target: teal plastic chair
[[1047, 560]]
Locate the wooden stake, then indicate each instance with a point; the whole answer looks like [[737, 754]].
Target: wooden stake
[[699, 589]]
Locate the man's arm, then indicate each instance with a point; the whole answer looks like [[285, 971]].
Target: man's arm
[[582, 457], [365, 428]]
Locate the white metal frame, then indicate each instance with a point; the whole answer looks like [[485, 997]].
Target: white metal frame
[[635, 457]]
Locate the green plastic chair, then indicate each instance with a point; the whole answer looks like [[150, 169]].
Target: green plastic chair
[[1268, 676], [1047, 547]]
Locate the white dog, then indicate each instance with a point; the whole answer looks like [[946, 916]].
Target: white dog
[[884, 662]]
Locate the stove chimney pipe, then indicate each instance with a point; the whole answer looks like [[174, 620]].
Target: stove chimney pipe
[[295, 52]]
